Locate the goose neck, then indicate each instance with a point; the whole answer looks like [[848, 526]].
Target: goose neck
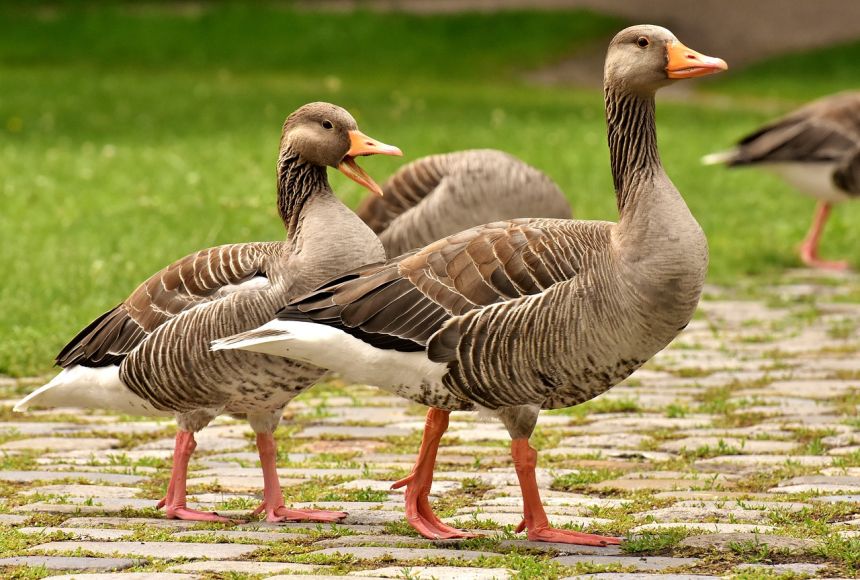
[[298, 181], [632, 139]]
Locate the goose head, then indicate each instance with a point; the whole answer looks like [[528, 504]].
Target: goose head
[[327, 136], [644, 58]]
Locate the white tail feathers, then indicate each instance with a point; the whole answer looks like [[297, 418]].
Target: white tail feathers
[[89, 388], [276, 338], [719, 157], [335, 350]]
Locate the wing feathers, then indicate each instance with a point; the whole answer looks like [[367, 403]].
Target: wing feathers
[[824, 130], [405, 302], [183, 284]]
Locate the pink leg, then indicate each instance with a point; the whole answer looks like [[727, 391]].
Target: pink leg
[[419, 514], [809, 248], [273, 499], [535, 520], [174, 501]]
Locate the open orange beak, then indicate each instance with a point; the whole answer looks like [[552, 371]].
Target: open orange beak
[[361, 144], [686, 63]]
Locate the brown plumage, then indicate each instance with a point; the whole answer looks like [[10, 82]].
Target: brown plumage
[[195, 279], [440, 195]]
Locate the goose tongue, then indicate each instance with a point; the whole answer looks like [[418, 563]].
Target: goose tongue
[[686, 63], [361, 144]]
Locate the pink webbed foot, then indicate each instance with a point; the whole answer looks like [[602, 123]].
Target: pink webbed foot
[[809, 247], [180, 512], [819, 264], [420, 514], [547, 534], [283, 514]]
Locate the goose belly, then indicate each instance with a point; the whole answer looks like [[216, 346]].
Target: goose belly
[[180, 374], [550, 368], [812, 179], [267, 384]]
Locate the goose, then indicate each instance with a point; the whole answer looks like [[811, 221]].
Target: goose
[[816, 149], [440, 195], [516, 316], [150, 355]]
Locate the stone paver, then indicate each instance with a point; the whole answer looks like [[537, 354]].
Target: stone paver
[[166, 550], [703, 527], [110, 522], [69, 562], [60, 444], [79, 533], [126, 576], [706, 447], [437, 573], [403, 554], [226, 566], [634, 576], [654, 563], [85, 491], [726, 541], [36, 475]]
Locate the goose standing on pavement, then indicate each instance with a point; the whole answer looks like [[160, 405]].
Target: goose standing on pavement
[[440, 195], [151, 354], [817, 150], [517, 316]]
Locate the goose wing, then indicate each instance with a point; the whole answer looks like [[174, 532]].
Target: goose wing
[[401, 304], [200, 277], [824, 130], [403, 191]]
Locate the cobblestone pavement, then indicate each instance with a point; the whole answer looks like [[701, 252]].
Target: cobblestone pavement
[[734, 452]]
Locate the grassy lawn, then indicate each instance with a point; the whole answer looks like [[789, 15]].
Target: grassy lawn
[[132, 136]]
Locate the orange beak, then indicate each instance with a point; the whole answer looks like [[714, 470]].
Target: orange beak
[[686, 63], [361, 144]]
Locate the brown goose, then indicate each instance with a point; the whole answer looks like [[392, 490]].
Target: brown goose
[[817, 150], [440, 195], [151, 353], [517, 316]]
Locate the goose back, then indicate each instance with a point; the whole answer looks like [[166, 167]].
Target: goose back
[[826, 130], [440, 195]]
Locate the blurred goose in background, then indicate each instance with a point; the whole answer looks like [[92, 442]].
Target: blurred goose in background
[[440, 195], [150, 354], [817, 150], [517, 316]]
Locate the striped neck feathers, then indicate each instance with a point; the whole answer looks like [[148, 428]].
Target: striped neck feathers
[[298, 181], [632, 137]]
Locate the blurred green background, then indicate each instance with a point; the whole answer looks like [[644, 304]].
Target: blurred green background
[[132, 134]]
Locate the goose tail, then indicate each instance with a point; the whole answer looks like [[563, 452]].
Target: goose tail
[[335, 350], [88, 388], [720, 157], [290, 339]]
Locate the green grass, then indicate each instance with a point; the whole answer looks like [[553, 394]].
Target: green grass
[[132, 136], [826, 70]]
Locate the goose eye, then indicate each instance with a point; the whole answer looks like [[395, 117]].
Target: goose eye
[[642, 42], [327, 124]]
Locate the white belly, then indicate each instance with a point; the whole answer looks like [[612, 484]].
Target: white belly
[[813, 179]]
